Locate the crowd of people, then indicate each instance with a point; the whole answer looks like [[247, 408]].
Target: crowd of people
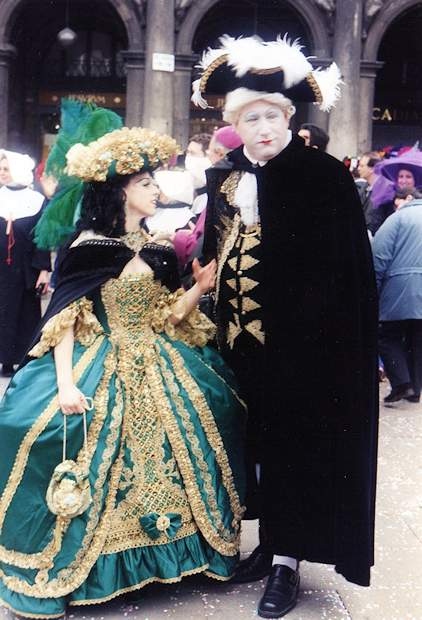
[[194, 420]]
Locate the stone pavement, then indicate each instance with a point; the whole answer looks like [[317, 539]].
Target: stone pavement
[[396, 591]]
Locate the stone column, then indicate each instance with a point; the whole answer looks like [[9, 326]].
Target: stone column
[[368, 72], [182, 93], [158, 84], [135, 66], [344, 119], [7, 52]]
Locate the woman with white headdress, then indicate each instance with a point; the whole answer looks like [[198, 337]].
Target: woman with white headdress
[[23, 268]]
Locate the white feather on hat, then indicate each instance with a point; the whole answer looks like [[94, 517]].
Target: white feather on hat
[[289, 58], [329, 81]]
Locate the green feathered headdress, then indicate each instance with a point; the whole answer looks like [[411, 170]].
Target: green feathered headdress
[[81, 123]]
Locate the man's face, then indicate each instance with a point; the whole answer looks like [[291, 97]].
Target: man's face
[[306, 135], [195, 149], [262, 127], [364, 170]]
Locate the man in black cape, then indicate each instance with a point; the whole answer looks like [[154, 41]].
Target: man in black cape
[[296, 310]]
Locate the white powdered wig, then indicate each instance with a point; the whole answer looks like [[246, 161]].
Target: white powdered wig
[[237, 99], [329, 82]]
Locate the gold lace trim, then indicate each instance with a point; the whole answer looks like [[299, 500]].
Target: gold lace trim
[[153, 483], [229, 186], [246, 262], [142, 584], [233, 330], [79, 313], [249, 242], [232, 227], [34, 432], [245, 284], [212, 433], [180, 450], [315, 87], [98, 526], [255, 328], [193, 438], [195, 329], [72, 576], [61, 587], [232, 390], [248, 304]]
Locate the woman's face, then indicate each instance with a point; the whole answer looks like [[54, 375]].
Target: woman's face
[[142, 194], [405, 179], [263, 128], [5, 176]]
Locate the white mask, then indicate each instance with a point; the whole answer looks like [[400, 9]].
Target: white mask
[[197, 167]]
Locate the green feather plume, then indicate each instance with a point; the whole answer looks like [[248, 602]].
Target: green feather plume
[[80, 123], [57, 222]]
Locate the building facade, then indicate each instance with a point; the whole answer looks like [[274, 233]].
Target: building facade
[[138, 57]]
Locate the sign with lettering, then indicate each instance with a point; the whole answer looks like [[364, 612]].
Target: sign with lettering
[[108, 100], [399, 116]]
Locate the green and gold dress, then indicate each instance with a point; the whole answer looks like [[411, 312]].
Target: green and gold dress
[[163, 455]]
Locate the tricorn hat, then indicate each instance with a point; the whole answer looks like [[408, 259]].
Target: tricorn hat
[[265, 66]]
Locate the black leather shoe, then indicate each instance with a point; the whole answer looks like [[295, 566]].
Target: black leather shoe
[[414, 398], [281, 593], [398, 393], [7, 370], [255, 567]]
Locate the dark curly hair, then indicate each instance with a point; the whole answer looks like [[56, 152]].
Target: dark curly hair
[[102, 207]]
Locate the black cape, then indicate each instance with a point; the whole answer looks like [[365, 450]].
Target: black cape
[[320, 375]]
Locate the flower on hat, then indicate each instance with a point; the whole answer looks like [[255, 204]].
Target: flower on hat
[[123, 151]]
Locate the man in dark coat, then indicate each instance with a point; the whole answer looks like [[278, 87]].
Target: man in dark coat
[[296, 310]]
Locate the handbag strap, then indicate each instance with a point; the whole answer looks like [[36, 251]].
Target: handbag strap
[[85, 426]]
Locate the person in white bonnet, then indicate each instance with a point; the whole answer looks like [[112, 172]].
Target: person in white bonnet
[[24, 270]]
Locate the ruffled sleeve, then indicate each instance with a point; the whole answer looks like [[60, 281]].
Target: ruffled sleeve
[[80, 315], [195, 329]]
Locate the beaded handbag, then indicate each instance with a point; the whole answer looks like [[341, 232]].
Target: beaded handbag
[[69, 492]]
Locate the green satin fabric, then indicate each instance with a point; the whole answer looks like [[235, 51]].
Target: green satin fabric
[[28, 524]]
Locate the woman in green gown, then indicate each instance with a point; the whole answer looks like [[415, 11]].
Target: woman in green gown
[[121, 438]]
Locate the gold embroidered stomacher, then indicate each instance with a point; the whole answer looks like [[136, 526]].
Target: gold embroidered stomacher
[[80, 315], [195, 329]]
